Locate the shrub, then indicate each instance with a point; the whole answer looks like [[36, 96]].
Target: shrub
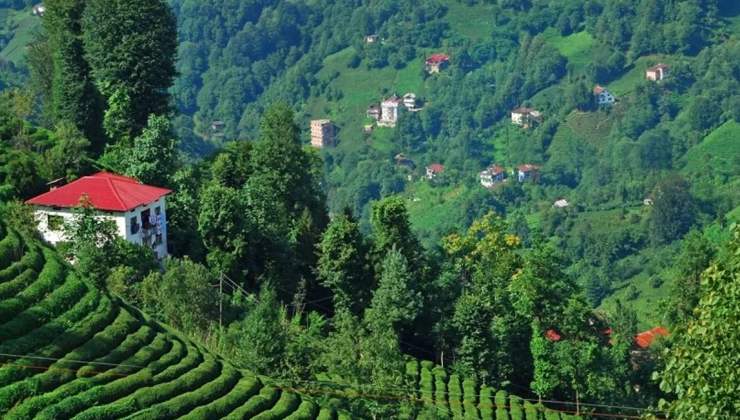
[[10, 249], [552, 415], [427, 385], [656, 282], [326, 414], [440, 391], [515, 408], [306, 411], [631, 293], [502, 412], [32, 260], [17, 284], [454, 392], [532, 412], [471, 399], [255, 405], [51, 276], [287, 403], [486, 405]]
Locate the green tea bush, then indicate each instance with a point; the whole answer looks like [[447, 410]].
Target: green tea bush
[[531, 411], [455, 397], [470, 392], [502, 412], [486, 403], [255, 405], [33, 259], [147, 396], [61, 371], [326, 414], [287, 403], [552, 415], [515, 408], [306, 411], [193, 358], [427, 385], [180, 404], [243, 391], [440, 392], [51, 277], [17, 284], [10, 249], [146, 355]]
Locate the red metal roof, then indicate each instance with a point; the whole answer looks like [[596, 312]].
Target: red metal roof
[[553, 336], [527, 168], [646, 338], [438, 58], [495, 170], [598, 89], [436, 168], [659, 66], [106, 191]]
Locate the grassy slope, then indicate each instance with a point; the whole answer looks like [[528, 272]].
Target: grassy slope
[[22, 24], [717, 151], [575, 47], [469, 21]]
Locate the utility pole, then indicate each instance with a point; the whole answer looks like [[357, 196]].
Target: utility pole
[[220, 298]]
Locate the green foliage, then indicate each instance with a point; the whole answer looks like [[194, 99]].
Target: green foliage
[[673, 212], [695, 352], [153, 157], [397, 301]]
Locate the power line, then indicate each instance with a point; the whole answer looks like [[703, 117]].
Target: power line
[[68, 360]]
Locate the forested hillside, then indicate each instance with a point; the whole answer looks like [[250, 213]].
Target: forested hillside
[[375, 277]]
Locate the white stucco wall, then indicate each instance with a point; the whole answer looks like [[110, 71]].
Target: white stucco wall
[[122, 221]]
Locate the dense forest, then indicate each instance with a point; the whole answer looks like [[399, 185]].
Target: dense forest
[[343, 266]]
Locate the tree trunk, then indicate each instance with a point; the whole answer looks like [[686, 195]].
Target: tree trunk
[[442, 359], [578, 403]]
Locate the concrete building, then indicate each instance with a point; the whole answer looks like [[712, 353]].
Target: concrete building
[[372, 38], [526, 117], [389, 112], [528, 172], [322, 133], [138, 210], [657, 72], [409, 101], [434, 169]]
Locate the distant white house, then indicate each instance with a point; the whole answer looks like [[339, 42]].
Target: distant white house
[[372, 38], [560, 204], [527, 172], [492, 176], [39, 10], [137, 210], [603, 96], [525, 117], [389, 111], [657, 72], [409, 101], [433, 170]]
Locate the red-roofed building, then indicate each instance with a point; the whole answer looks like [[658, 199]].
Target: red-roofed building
[[492, 176], [645, 339], [138, 210], [526, 172], [553, 336], [657, 72], [437, 62], [434, 169]]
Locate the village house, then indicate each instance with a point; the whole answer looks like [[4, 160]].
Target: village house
[[409, 101], [525, 117], [322, 133], [405, 162], [389, 111], [603, 96], [437, 62], [217, 125], [657, 72], [39, 10], [372, 38], [433, 170], [492, 176], [561, 204], [527, 172], [137, 210]]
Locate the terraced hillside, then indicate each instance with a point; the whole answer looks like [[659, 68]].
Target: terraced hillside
[[69, 351]]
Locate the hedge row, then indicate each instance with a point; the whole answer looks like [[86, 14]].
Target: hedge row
[[54, 339], [180, 404], [327, 414], [532, 412], [10, 249], [242, 392], [440, 391], [515, 410], [287, 403], [18, 283], [173, 371], [486, 403], [51, 277], [552, 415], [267, 398], [501, 401], [148, 395], [145, 355], [470, 391], [427, 385], [115, 390], [455, 397], [306, 411], [33, 259], [61, 372]]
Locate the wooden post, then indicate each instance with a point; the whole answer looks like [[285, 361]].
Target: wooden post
[[220, 299]]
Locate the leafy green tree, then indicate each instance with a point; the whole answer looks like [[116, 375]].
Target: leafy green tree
[[673, 212], [392, 229], [702, 363], [72, 91], [153, 157], [68, 159], [474, 353], [131, 46], [703, 113], [343, 266], [398, 300], [579, 96], [225, 228], [695, 257]]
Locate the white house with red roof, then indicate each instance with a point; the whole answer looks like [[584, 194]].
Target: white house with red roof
[[138, 210], [527, 172], [389, 111], [492, 176], [437, 62], [434, 169]]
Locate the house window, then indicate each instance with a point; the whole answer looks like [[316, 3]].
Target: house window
[[158, 240], [134, 226], [157, 210], [54, 222], [145, 219]]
